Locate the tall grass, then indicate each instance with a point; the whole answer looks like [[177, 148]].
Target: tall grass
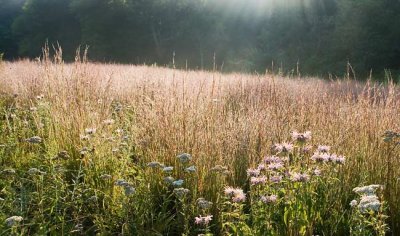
[[145, 114]]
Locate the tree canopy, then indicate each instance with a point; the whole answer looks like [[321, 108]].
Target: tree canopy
[[319, 37]]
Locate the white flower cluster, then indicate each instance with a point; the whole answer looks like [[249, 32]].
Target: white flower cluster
[[369, 201], [13, 220]]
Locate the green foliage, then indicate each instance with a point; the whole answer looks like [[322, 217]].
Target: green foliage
[[309, 37]]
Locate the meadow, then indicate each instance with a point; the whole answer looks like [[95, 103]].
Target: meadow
[[106, 149]]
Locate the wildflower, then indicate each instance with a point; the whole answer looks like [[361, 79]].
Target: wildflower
[[84, 150], [108, 122], [168, 169], [240, 197], [203, 204], [13, 220], [33, 109], [115, 150], [317, 172], [33, 171], [119, 131], [261, 167], [34, 139], [323, 148], [63, 155], [105, 176], [181, 192], [90, 131], [154, 164], [307, 149], [299, 177], [121, 182], [269, 199], [191, 169], [353, 203], [369, 202], [275, 166], [237, 194], [229, 191], [203, 220], [118, 107], [272, 159], [275, 178], [9, 171], [178, 182], [184, 157], [321, 157], [367, 190], [84, 137], [169, 179], [301, 137], [40, 97], [258, 180], [282, 148], [253, 172], [338, 159], [129, 190]]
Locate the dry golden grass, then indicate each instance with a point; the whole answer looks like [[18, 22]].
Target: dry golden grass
[[227, 119]]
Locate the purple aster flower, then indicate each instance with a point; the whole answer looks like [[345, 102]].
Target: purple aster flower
[[269, 199], [258, 180], [301, 137], [253, 172]]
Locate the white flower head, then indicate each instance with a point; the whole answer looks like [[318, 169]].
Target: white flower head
[[168, 169], [203, 204], [34, 139], [353, 203], [191, 169], [178, 182], [13, 220], [181, 192], [90, 131], [184, 157], [367, 190]]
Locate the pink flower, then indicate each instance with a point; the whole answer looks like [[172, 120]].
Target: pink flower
[[323, 148], [275, 166], [237, 194], [275, 178], [258, 180], [239, 197], [272, 159], [269, 199], [301, 137], [299, 177], [282, 148], [203, 220], [253, 172]]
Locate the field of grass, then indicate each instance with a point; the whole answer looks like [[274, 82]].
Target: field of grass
[[90, 149]]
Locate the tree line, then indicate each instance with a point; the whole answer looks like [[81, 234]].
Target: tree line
[[311, 37]]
